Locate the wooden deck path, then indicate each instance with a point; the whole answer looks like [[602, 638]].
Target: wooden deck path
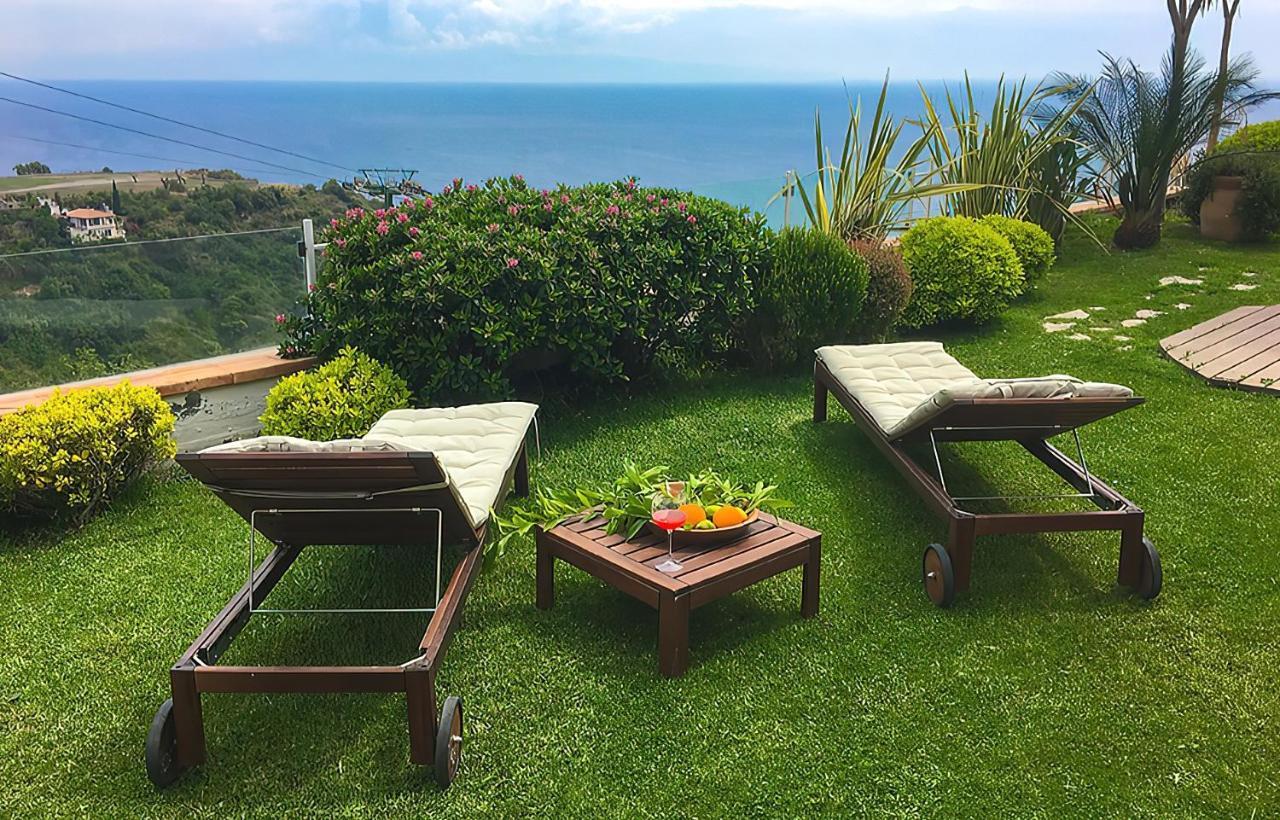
[[1240, 348]]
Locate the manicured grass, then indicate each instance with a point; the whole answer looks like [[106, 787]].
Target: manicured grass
[[1044, 692]]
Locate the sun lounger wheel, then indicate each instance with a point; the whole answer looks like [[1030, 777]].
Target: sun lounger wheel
[[939, 577], [449, 741], [1152, 578], [162, 747]]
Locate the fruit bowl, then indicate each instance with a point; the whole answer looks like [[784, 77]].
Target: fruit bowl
[[705, 538]]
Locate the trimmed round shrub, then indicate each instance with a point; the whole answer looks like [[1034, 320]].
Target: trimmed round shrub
[[888, 288], [469, 287], [1259, 204], [67, 458], [340, 399], [1260, 136], [810, 295], [962, 270], [1032, 244]]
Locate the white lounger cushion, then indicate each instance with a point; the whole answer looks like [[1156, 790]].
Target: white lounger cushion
[[904, 383], [476, 444]]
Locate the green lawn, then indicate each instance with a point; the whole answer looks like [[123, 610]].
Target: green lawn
[[1045, 692]]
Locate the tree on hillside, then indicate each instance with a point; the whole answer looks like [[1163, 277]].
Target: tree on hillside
[[115, 199], [26, 168], [1229, 10]]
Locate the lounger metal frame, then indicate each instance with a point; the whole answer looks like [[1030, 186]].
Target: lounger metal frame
[[296, 500], [1030, 422]]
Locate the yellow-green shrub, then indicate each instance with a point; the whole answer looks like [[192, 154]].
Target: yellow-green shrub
[[340, 399], [68, 457]]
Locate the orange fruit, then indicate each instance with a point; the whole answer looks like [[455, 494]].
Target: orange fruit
[[693, 514], [729, 516]]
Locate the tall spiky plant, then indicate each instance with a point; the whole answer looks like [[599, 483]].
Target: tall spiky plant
[[1141, 124], [866, 194], [1006, 153]]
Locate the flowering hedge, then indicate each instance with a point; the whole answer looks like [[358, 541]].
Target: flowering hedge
[[460, 290]]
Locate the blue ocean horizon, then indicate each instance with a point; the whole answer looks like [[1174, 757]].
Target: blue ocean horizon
[[734, 142]]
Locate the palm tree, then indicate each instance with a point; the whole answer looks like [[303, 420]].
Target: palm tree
[[1140, 124]]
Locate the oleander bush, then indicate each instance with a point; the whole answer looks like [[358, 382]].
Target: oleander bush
[[1259, 205], [67, 458], [888, 289], [340, 399], [1260, 136], [467, 288], [1032, 244], [811, 294], [962, 270]]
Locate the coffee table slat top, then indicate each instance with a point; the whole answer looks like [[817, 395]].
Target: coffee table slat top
[[763, 538]]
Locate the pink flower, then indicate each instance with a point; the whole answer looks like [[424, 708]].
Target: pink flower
[[577, 209], [564, 199], [353, 213], [649, 198], [631, 184], [333, 223], [664, 202], [402, 218], [472, 188], [457, 182], [681, 207], [340, 242], [414, 232], [546, 192], [692, 220], [410, 204], [627, 197], [613, 210], [514, 210], [279, 318], [448, 189], [383, 227], [417, 256], [493, 227], [311, 287], [512, 262], [519, 177], [429, 202], [547, 206], [381, 212]]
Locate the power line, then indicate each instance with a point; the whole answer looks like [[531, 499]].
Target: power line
[[159, 137], [182, 162], [173, 121], [144, 242]]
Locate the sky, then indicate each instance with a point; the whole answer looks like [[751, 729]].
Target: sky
[[598, 40]]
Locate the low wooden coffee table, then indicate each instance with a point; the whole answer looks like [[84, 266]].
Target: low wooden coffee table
[[769, 546]]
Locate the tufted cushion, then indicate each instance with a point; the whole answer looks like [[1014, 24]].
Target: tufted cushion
[[269, 444], [476, 444], [904, 383]]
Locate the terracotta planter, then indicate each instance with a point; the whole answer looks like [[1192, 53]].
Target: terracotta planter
[[1219, 218]]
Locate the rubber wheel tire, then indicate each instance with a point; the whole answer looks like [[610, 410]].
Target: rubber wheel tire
[[1152, 577], [162, 748], [449, 742], [938, 575]]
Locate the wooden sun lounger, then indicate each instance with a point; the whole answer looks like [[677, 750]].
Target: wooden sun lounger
[[1030, 422], [296, 500]]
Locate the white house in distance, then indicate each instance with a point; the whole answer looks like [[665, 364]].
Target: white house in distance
[[92, 225]]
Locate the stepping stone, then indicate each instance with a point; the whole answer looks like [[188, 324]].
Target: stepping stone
[[1243, 286], [1102, 329], [1180, 280], [1249, 273], [1182, 306], [1054, 327], [1148, 314], [1125, 348], [1134, 322], [1097, 308], [1070, 314], [1080, 337], [1120, 338]]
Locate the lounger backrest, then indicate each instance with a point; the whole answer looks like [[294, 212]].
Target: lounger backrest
[[329, 498], [1013, 419]]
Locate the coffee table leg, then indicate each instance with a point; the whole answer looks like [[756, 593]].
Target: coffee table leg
[[673, 635], [546, 574], [812, 573]]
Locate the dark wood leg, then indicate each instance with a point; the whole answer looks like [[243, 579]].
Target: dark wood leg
[[1132, 554], [673, 634], [546, 574], [420, 691], [819, 397], [960, 539], [812, 570], [188, 719], [522, 473]]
